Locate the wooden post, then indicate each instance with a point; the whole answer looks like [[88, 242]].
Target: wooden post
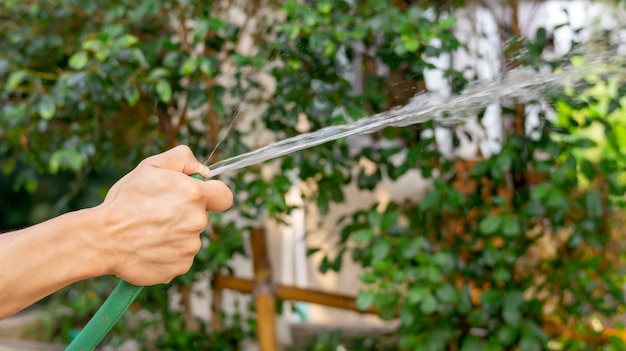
[[292, 293], [263, 294], [216, 306]]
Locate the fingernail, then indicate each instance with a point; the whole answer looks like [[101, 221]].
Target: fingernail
[[204, 171]]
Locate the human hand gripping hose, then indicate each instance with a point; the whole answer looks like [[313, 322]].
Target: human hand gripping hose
[[109, 313], [522, 84]]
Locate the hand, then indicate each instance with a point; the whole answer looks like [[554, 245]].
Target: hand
[[153, 217]]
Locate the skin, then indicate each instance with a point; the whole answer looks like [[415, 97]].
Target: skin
[[146, 232]]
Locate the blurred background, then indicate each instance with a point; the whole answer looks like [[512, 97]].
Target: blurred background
[[504, 232]]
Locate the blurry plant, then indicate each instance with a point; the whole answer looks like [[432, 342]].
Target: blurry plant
[[511, 252], [335, 341], [87, 90]]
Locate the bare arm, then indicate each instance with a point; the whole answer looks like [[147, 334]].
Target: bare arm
[[146, 232]]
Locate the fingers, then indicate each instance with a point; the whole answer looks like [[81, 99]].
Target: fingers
[[218, 195], [181, 159]]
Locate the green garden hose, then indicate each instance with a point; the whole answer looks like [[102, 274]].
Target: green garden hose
[[108, 314], [105, 318]]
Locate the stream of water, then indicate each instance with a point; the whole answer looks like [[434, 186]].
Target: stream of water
[[521, 84]]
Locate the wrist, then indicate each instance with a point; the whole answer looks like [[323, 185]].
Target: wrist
[[93, 234]]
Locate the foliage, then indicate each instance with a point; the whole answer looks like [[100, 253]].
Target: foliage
[[517, 251], [334, 341], [504, 253], [90, 89]]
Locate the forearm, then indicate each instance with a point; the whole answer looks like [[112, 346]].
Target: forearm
[[39, 260], [146, 232]]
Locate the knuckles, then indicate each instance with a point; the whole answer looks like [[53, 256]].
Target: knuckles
[[182, 268], [197, 222]]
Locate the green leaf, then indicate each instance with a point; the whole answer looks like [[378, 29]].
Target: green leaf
[[131, 95], [410, 250], [585, 143], [504, 160], [447, 22], [46, 107], [78, 60], [189, 66], [491, 296], [368, 181], [533, 208], [374, 218], [444, 260], [529, 343], [429, 200], [127, 40], [507, 335], [588, 169], [416, 295], [593, 201], [558, 201], [465, 300], [608, 166], [139, 57], [323, 202], [368, 278], [535, 330], [382, 267], [480, 169], [541, 191], [159, 72], [511, 227], [407, 315], [216, 24], [501, 274], [336, 264], [92, 45], [363, 235], [206, 66], [365, 299], [164, 90], [381, 249], [511, 307], [490, 225], [446, 294], [389, 219], [325, 265], [429, 304], [472, 343], [15, 78], [312, 250], [65, 159]]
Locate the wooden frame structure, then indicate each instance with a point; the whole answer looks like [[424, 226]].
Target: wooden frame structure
[[265, 293]]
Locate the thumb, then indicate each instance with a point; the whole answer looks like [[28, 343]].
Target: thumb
[[181, 159]]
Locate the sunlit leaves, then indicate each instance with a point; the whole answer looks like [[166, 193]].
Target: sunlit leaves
[[511, 227], [126, 40], [189, 66], [365, 299], [66, 159], [15, 78], [511, 307], [132, 95], [46, 107], [363, 235], [164, 90], [78, 60], [490, 225]]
